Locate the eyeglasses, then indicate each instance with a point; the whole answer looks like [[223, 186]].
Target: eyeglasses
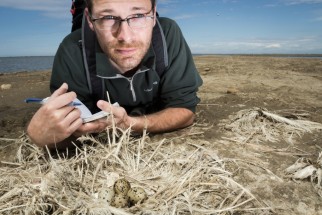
[[110, 22]]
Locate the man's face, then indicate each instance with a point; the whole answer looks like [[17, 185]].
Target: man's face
[[125, 46]]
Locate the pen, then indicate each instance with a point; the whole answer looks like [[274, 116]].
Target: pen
[[43, 101]]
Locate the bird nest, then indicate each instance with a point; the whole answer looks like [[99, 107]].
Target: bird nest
[[178, 178]]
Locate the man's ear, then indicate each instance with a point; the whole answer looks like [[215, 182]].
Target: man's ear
[[88, 18]]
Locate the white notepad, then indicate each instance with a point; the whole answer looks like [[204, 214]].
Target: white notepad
[[87, 115]]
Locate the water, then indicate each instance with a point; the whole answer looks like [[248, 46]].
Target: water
[[18, 64]]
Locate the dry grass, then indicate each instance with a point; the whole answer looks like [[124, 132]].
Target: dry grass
[[179, 178], [304, 169], [253, 126], [258, 125]]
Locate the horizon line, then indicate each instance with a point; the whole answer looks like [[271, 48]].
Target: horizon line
[[290, 54]]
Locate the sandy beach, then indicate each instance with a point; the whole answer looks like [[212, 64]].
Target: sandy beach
[[289, 87]]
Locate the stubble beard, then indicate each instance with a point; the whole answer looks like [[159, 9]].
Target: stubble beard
[[127, 62]]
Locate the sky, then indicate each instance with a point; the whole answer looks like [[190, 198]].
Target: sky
[[36, 27]]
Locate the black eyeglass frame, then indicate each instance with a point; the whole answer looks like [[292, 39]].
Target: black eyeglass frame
[[119, 20]]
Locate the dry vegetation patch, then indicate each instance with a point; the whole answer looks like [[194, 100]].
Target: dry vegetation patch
[[179, 178]]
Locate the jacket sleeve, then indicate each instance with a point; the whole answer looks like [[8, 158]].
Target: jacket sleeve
[[68, 68], [181, 80]]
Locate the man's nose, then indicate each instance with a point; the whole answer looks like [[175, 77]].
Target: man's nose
[[124, 32]]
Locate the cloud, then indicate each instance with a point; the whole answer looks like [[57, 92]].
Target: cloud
[[291, 2], [53, 8], [165, 2], [254, 45], [184, 16], [274, 45], [317, 13], [258, 46], [295, 2], [48, 5]]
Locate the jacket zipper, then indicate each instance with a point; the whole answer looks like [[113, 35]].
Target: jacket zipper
[[132, 88], [130, 81]]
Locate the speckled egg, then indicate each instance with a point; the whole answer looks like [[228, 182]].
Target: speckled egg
[[120, 201], [122, 186], [106, 194], [136, 194]]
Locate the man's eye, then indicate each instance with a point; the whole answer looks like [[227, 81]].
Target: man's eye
[[110, 17], [139, 15]]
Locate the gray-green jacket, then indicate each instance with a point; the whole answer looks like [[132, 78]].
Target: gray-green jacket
[[177, 86]]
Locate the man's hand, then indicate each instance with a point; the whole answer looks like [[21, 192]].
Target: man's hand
[[55, 120], [101, 124], [95, 126], [118, 117], [166, 120]]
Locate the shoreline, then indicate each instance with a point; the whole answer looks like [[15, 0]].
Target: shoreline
[[304, 56], [200, 54], [24, 71]]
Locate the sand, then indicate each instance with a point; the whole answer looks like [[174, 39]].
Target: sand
[[285, 86]]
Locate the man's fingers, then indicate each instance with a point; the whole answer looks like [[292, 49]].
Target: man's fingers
[[121, 119], [73, 115], [117, 111], [61, 90], [104, 106], [92, 127], [63, 100], [60, 97], [75, 125]]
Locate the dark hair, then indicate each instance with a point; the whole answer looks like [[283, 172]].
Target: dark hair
[[89, 4]]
